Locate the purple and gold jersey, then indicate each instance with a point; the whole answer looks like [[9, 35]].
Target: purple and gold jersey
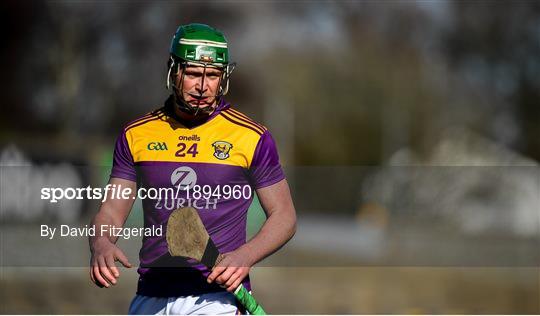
[[214, 166]]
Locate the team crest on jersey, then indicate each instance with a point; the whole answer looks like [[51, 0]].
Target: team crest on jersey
[[222, 149]]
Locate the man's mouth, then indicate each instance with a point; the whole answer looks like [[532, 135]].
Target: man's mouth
[[198, 99]]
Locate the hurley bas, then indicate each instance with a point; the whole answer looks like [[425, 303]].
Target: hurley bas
[[103, 230]]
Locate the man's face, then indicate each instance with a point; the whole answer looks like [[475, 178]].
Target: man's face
[[200, 86]]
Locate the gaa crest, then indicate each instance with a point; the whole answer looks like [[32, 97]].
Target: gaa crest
[[221, 149]]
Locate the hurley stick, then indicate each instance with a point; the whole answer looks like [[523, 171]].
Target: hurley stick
[[187, 237]]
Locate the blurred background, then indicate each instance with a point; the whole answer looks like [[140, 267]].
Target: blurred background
[[409, 132]]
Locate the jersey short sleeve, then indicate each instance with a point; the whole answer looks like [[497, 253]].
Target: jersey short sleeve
[[123, 164], [265, 168]]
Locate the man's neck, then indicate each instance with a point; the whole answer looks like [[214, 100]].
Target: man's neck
[[190, 117]]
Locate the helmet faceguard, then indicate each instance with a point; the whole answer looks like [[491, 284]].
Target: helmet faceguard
[[203, 46]]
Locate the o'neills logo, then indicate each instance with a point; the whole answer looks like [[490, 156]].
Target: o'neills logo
[[192, 138], [221, 149]]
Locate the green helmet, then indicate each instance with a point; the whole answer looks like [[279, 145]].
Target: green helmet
[[201, 45]]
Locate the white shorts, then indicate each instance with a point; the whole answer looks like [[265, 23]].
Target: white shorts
[[219, 303]]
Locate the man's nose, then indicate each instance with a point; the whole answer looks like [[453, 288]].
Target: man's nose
[[202, 85], [200, 89]]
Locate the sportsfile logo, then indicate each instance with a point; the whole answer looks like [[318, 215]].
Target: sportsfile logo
[[157, 146]]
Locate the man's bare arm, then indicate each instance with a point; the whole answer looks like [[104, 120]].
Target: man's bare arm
[[113, 211], [278, 228], [280, 225]]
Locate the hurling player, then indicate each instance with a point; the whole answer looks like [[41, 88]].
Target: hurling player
[[214, 158]]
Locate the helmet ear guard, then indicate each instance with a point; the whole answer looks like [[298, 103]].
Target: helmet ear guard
[[227, 71], [173, 66], [170, 65]]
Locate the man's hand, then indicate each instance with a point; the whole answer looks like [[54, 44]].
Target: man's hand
[[113, 211], [279, 227], [103, 271], [231, 270]]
